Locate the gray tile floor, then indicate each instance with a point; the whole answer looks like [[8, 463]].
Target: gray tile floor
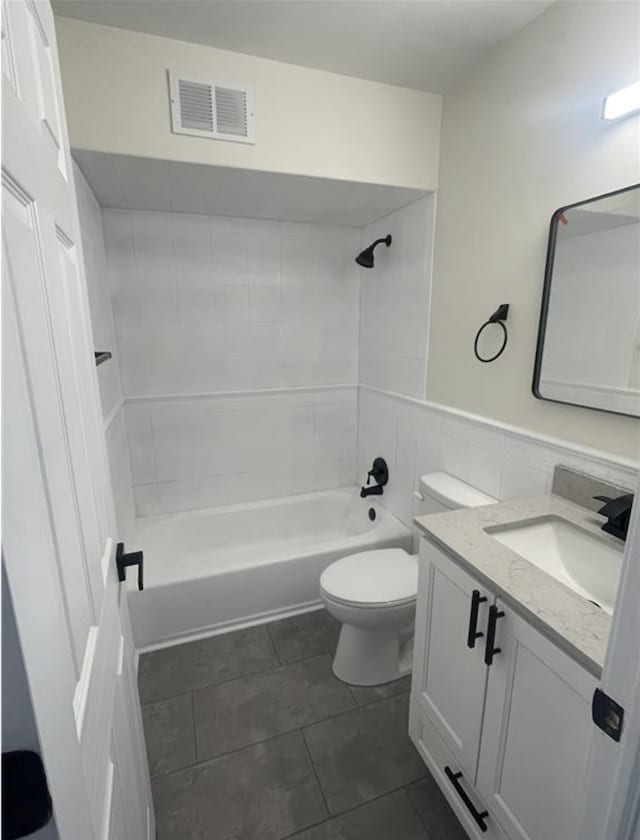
[[251, 737]]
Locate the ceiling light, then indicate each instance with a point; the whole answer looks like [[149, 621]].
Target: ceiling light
[[621, 103]]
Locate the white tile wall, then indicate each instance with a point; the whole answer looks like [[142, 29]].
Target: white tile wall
[[207, 304], [202, 452], [207, 307], [395, 301], [104, 338], [417, 438]]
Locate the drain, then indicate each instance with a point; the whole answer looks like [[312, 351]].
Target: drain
[[372, 514], [595, 603]]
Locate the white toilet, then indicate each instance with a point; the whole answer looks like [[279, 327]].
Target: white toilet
[[373, 594]]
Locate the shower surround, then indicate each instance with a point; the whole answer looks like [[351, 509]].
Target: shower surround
[[238, 348]]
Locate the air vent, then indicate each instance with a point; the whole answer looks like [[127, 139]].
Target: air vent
[[211, 109]]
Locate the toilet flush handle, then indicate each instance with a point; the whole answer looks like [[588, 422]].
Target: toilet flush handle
[[418, 495]]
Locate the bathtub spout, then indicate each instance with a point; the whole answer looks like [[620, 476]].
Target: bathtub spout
[[376, 490]]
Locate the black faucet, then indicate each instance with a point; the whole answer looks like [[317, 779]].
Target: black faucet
[[379, 472], [618, 513]]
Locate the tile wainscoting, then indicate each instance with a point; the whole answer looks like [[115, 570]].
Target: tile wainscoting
[[195, 451], [417, 437]]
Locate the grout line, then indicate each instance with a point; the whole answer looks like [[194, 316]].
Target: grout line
[[273, 644], [209, 759], [357, 807], [315, 773], [427, 830], [195, 731]]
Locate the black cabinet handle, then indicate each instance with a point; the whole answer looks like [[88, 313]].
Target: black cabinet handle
[[491, 650], [472, 633], [134, 558], [479, 817]]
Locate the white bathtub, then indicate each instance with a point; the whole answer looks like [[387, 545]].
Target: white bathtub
[[208, 570]]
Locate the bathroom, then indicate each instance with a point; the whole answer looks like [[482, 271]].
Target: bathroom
[[334, 370]]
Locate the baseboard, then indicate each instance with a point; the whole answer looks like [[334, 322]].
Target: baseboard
[[230, 626]]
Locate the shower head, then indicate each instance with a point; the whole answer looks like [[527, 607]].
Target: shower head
[[365, 258]]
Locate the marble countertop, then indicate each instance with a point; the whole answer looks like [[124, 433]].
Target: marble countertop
[[573, 623]]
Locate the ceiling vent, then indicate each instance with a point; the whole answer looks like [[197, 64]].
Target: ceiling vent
[[211, 109]]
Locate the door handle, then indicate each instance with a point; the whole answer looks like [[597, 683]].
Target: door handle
[[472, 632], [133, 558], [479, 817], [490, 650]]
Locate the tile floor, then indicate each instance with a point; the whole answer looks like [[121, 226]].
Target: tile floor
[[251, 737]]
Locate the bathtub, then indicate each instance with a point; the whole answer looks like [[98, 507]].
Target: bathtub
[[206, 571]]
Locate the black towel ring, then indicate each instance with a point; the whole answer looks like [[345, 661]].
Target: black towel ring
[[499, 317]]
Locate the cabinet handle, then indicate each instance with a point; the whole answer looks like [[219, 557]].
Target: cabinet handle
[[491, 650], [479, 817], [472, 633]]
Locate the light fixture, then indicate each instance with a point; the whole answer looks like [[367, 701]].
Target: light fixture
[[622, 102]]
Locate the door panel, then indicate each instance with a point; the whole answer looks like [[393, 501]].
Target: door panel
[[537, 735], [59, 541], [22, 226], [449, 677]]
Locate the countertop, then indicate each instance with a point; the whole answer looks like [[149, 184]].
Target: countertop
[[574, 624]]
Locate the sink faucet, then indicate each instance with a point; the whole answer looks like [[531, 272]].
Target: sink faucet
[[618, 513], [379, 472]]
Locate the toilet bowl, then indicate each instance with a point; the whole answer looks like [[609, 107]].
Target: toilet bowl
[[373, 594]]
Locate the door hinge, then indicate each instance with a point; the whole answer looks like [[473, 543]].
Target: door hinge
[[607, 714]]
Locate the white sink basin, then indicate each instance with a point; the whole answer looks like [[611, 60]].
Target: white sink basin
[[588, 565]]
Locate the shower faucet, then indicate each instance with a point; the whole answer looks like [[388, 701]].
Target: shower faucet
[[379, 472]]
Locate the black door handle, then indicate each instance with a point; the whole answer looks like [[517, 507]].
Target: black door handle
[[490, 650], [479, 817], [134, 558], [472, 632]]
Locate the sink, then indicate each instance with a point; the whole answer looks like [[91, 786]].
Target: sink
[[582, 561]]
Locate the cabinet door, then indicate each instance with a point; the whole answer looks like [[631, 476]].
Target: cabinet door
[[449, 676], [536, 736]]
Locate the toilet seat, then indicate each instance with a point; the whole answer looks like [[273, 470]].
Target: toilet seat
[[384, 577]]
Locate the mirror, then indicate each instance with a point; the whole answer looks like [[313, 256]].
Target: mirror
[[588, 351]]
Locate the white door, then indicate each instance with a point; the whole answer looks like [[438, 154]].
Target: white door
[[536, 736], [449, 673], [58, 517]]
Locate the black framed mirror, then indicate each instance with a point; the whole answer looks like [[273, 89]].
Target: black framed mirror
[[588, 350]]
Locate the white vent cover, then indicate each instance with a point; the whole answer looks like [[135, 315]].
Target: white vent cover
[[205, 108]]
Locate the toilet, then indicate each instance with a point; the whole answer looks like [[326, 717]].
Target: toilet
[[373, 594]]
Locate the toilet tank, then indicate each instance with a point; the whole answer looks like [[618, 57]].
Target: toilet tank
[[442, 492]]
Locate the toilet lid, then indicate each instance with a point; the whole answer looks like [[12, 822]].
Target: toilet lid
[[385, 576]]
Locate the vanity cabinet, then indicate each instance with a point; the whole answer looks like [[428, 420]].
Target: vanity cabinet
[[509, 741]]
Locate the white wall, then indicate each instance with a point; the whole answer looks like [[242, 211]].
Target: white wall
[[104, 338], [210, 314], [308, 122], [395, 299], [521, 137]]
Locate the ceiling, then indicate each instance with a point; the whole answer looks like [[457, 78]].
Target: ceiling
[[138, 183], [425, 44]]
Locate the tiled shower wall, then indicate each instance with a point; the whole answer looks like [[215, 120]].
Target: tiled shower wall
[[395, 300], [104, 339], [205, 306]]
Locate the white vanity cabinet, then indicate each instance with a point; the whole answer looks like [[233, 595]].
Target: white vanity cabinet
[[509, 741]]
